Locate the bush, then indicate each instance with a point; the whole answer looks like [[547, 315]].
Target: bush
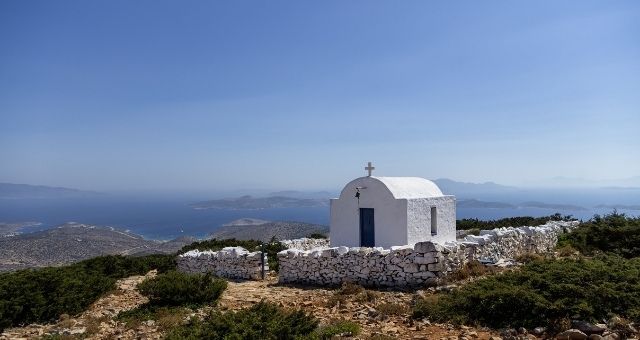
[[179, 289], [261, 321], [612, 233], [474, 223], [339, 327], [41, 295], [470, 269], [543, 290]]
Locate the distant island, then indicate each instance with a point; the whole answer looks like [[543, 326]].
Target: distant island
[[533, 204], [251, 203], [249, 228], [21, 191], [476, 204]]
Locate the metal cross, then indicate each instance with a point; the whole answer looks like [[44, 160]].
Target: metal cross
[[369, 168]]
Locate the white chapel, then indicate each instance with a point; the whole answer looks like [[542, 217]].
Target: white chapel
[[391, 211]]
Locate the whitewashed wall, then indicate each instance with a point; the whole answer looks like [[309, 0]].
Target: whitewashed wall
[[413, 265], [401, 211]]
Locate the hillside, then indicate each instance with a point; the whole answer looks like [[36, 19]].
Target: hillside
[[73, 242], [264, 232]]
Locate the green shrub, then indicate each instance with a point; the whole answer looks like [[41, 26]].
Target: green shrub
[[474, 223], [612, 233], [179, 289], [543, 290], [318, 236], [261, 321], [348, 328], [41, 295]]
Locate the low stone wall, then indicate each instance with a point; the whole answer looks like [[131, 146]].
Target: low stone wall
[[413, 265], [305, 243], [230, 262]]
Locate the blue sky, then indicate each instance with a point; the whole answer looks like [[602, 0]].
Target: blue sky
[[219, 95]]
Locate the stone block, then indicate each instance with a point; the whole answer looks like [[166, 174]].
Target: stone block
[[426, 247]]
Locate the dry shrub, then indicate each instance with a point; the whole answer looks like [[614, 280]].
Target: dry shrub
[[380, 336], [567, 251], [345, 292], [392, 309], [529, 257], [558, 325], [349, 289], [367, 296], [92, 324], [470, 269]]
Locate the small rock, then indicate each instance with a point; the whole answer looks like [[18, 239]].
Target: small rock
[[538, 330], [587, 327], [571, 334], [522, 330], [595, 337]]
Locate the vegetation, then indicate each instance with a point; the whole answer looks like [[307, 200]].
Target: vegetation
[[170, 295], [612, 233], [544, 290], [271, 248], [474, 223], [41, 295], [179, 289], [318, 236], [261, 321], [339, 327]]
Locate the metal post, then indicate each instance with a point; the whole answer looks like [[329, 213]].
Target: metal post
[[262, 261]]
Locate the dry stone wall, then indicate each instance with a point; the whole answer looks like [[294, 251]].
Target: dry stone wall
[[413, 265], [230, 262], [305, 243]]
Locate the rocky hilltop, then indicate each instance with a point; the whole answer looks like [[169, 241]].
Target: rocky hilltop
[[73, 242], [251, 203], [265, 231]]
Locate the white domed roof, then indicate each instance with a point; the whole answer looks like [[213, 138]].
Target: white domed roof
[[410, 187]]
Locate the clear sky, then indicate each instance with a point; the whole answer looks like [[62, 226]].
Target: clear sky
[[219, 95]]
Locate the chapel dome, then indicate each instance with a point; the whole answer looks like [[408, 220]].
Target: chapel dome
[[410, 187]]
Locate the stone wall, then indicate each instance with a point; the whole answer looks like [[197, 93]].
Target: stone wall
[[305, 243], [230, 262], [413, 265]]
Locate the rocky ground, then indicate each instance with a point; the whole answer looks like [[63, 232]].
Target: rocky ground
[[383, 317], [98, 323]]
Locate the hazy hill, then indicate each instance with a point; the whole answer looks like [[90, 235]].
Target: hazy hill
[[475, 204], [551, 206], [264, 232], [8, 190], [249, 203], [451, 187], [300, 194], [73, 242]]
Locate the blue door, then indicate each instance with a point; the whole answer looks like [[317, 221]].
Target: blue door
[[366, 228]]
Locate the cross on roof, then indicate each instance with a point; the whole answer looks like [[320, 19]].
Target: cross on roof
[[369, 168]]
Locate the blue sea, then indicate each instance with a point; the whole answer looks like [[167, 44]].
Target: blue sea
[[168, 217]]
